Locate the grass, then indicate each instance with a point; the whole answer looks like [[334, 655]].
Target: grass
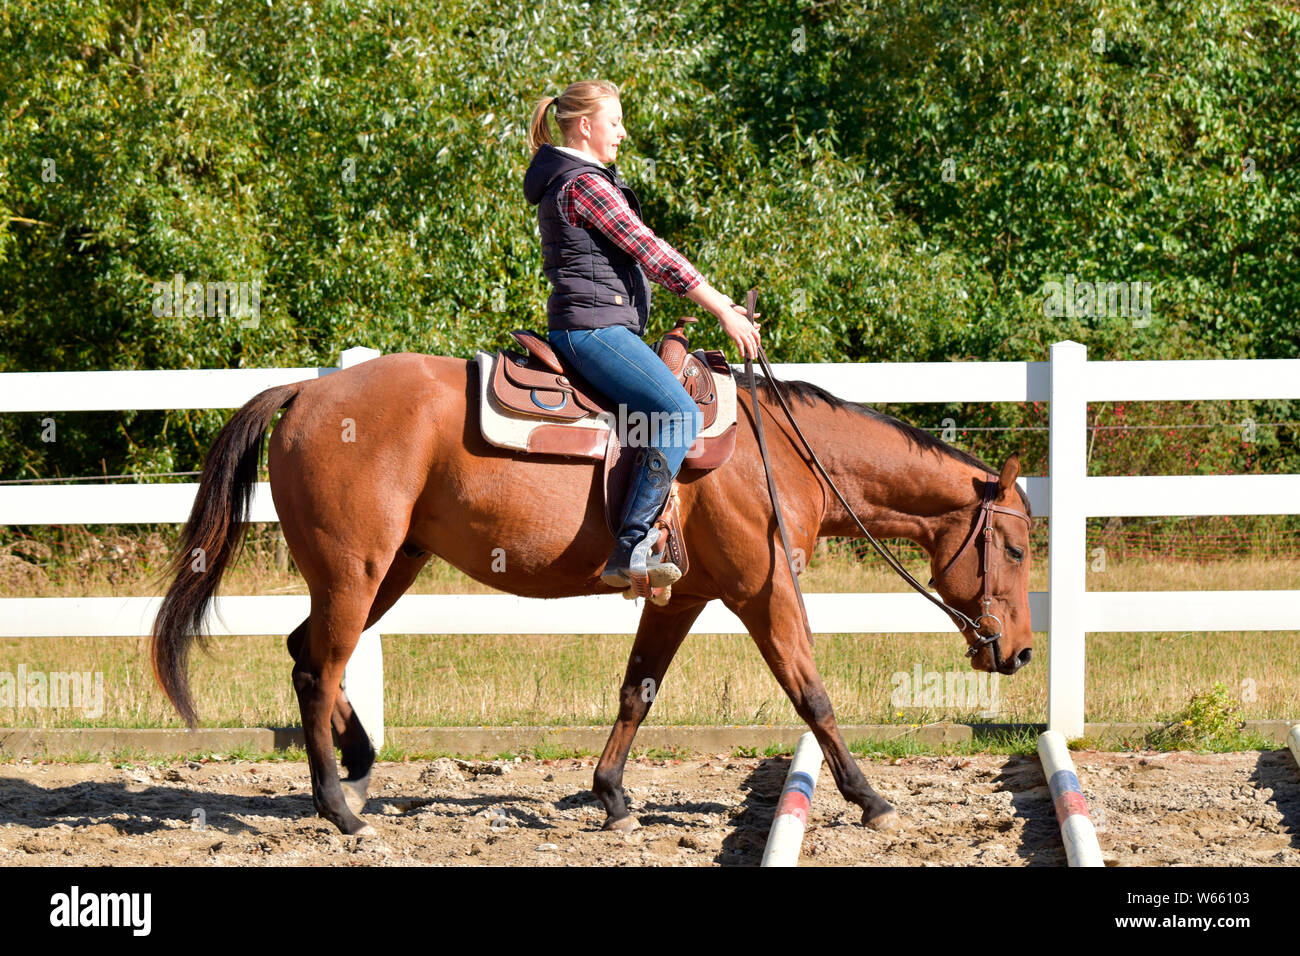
[[450, 680], [892, 749], [468, 680]]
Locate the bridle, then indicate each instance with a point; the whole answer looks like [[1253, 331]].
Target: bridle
[[983, 524], [983, 529]]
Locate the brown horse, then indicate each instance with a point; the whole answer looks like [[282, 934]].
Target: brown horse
[[376, 467]]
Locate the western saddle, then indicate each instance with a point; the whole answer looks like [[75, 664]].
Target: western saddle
[[533, 402]]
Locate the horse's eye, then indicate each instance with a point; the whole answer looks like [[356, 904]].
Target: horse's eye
[[1016, 553]]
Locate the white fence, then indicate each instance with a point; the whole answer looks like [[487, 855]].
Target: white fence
[[1068, 382]]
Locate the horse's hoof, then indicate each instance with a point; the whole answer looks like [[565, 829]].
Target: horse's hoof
[[354, 793], [882, 821], [366, 831], [622, 824]]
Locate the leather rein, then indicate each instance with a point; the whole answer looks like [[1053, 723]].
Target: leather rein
[[983, 526]]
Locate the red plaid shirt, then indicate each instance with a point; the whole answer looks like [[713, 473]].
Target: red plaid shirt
[[593, 201]]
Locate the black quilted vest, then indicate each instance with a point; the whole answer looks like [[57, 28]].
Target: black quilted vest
[[594, 283]]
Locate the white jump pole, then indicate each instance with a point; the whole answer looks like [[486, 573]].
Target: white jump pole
[[1293, 741], [1077, 831], [363, 675], [786, 836]]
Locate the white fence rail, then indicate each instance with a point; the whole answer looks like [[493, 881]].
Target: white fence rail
[[1068, 382]]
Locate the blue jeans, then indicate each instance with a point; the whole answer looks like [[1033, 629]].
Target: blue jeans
[[625, 370]]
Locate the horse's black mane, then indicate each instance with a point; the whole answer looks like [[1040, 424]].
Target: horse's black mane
[[917, 437]]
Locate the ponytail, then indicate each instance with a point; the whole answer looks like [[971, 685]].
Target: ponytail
[[539, 130]]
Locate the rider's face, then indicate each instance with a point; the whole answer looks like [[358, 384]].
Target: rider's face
[[606, 130]]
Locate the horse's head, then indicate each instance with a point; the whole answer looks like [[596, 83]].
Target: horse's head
[[981, 568]]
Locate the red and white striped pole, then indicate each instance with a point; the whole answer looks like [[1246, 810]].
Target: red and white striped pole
[[1077, 831], [786, 835]]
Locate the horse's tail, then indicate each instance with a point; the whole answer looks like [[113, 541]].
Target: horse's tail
[[212, 538]]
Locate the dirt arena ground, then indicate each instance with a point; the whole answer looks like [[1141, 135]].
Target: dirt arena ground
[[1155, 809]]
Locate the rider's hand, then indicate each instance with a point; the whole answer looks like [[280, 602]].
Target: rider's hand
[[742, 332]]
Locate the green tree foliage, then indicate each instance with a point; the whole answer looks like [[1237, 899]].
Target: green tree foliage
[[900, 180]]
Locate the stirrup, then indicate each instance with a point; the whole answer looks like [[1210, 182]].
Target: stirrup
[[656, 568], [644, 570]]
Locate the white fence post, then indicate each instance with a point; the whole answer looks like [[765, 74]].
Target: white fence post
[[1067, 538], [363, 676], [363, 681]]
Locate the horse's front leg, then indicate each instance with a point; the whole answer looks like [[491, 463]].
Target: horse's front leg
[[660, 633], [775, 623]]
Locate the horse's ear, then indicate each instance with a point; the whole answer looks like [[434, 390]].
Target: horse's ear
[[1010, 472]]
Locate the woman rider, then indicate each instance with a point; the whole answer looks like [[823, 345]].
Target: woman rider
[[596, 252]]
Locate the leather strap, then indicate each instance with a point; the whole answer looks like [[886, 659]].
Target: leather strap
[[750, 300], [984, 523], [984, 527]]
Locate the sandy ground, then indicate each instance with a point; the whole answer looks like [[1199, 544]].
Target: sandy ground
[[1238, 809]]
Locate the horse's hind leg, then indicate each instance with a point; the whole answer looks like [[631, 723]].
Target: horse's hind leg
[[338, 615], [358, 753], [354, 743], [658, 636], [350, 737]]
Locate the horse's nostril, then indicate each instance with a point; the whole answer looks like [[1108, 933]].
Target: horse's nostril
[[1023, 657]]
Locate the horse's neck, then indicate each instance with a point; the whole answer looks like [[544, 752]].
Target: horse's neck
[[897, 489]]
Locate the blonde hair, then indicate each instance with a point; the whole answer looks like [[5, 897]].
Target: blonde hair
[[578, 100]]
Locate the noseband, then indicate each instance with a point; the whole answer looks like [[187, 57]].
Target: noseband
[[983, 528]]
